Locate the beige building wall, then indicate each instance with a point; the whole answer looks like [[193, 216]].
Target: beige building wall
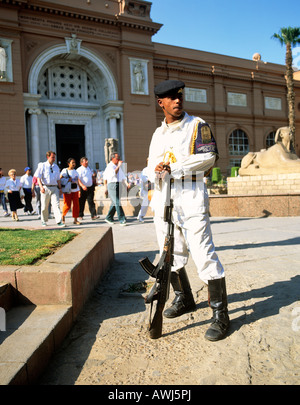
[[103, 43], [236, 94], [12, 129]]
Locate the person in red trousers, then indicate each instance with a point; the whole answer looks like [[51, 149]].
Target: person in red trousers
[[71, 191]]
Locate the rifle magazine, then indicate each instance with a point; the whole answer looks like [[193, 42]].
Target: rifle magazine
[[147, 266]]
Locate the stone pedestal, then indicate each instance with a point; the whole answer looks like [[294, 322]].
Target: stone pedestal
[[257, 196], [288, 183]]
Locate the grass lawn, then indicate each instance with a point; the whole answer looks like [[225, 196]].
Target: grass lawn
[[24, 247]]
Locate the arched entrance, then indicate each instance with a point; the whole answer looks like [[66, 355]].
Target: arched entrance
[[72, 106]]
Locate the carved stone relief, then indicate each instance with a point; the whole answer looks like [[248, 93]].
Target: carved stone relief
[[135, 8], [111, 146], [139, 76]]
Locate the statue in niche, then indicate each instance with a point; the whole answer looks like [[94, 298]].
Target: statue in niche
[[138, 78], [111, 146], [278, 159], [3, 61]]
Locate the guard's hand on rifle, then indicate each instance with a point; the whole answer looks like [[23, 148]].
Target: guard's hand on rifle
[[162, 169]]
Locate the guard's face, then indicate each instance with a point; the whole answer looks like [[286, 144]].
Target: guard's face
[[172, 107]]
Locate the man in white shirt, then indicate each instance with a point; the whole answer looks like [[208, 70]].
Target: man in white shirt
[[26, 181], [184, 147], [48, 177], [86, 181], [113, 177]]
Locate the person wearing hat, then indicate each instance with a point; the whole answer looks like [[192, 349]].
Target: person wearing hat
[[26, 181], [184, 147]]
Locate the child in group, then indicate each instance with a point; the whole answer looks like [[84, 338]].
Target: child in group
[[13, 187]]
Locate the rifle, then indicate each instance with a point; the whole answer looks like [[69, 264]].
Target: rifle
[[162, 273]]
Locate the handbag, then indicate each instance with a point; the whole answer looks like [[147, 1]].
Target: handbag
[[65, 184]]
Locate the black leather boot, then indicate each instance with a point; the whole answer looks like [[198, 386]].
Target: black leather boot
[[184, 300], [218, 303]]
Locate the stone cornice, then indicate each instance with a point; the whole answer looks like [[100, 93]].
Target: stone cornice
[[217, 72], [77, 113], [118, 20]]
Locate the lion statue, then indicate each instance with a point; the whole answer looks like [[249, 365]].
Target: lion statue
[[278, 159]]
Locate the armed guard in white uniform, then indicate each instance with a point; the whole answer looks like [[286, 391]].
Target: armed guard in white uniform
[[184, 147]]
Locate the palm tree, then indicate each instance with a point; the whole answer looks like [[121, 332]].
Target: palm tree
[[289, 37]]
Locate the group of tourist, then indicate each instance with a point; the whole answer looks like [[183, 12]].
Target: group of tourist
[[77, 187]]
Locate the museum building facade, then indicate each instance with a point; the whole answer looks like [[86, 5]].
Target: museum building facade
[[79, 72]]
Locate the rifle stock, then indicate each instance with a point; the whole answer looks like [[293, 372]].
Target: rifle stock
[[155, 327]]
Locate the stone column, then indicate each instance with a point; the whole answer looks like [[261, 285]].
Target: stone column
[[113, 125], [113, 111], [31, 105], [34, 135]]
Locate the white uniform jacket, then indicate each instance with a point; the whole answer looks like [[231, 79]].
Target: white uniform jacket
[[192, 231], [190, 198]]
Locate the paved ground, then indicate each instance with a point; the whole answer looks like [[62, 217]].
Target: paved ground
[[109, 344]]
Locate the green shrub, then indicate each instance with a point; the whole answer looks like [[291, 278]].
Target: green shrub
[[234, 172], [216, 175]]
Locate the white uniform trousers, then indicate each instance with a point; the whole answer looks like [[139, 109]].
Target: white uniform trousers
[[193, 235]]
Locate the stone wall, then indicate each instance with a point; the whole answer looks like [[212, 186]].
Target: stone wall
[[264, 184], [251, 206]]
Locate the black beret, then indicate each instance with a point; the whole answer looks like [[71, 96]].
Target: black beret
[[168, 87]]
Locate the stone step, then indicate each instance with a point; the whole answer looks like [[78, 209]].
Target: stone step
[[32, 335]]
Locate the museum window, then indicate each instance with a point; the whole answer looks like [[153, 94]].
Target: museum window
[[238, 143], [238, 148], [270, 139]]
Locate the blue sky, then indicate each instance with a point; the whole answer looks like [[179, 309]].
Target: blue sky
[[237, 28]]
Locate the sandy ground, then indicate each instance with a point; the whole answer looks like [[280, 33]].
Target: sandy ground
[[109, 344]]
